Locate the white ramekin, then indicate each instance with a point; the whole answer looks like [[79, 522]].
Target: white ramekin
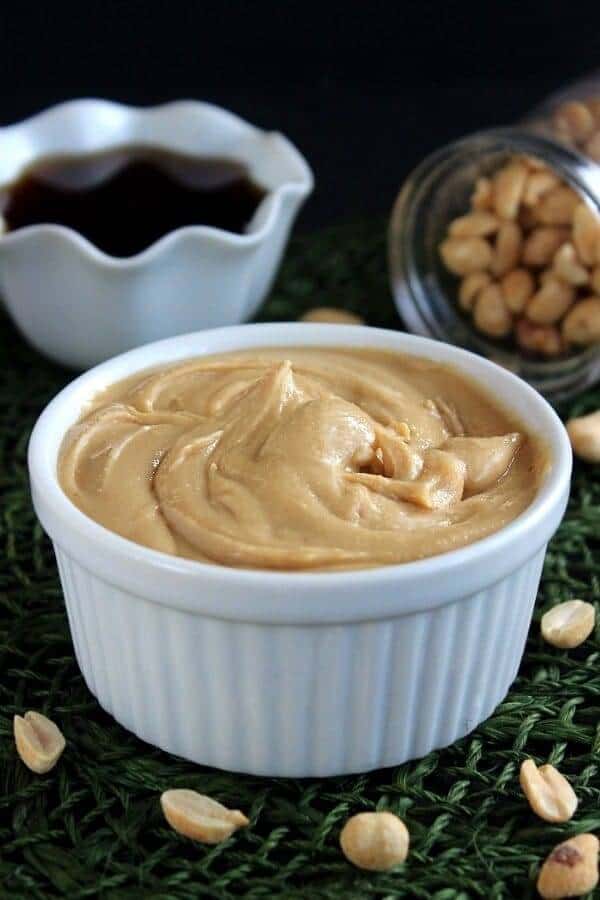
[[287, 673], [79, 305]]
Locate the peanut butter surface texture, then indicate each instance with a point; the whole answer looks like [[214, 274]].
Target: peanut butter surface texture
[[293, 459]]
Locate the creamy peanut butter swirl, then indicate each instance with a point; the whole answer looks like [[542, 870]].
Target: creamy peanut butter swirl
[[300, 459]]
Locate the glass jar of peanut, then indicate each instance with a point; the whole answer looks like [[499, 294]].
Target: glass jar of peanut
[[494, 244]]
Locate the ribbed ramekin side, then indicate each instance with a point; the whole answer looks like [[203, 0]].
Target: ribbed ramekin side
[[82, 653], [298, 700]]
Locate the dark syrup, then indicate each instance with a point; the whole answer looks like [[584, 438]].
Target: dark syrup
[[124, 200]]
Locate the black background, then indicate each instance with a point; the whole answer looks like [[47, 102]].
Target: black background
[[364, 89]]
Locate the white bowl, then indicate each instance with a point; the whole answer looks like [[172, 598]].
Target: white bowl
[[288, 673], [79, 305]]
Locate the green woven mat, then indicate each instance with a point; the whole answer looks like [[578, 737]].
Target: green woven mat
[[93, 827]]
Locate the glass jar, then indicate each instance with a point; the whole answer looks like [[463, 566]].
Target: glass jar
[[439, 190]]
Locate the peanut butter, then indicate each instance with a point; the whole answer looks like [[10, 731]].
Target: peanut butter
[[300, 458]]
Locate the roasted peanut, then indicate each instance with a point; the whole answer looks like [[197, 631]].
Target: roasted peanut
[[543, 339], [507, 248], [548, 793], [582, 323], [571, 869], [475, 224], [517, 287], [534, 163], [573, 120], [557, 206], [465, 255], [39, 741], [331, 315], [593, 104], [199, 817], [584, 434], [491, 314], [592, 147], [586, 234], [567, 266], [470, 287], [550, 303], [568, 624], [538, 183], [376, 841], [482, 195], [508, 186], [541, 245]]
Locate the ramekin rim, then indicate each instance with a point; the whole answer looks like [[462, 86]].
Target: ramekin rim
[[548, 498], [301, 187]]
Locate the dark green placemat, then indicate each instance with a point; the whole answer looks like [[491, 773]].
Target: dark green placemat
[[93, 827]]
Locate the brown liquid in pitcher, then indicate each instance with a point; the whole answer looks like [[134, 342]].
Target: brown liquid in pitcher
[[126, 199]]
